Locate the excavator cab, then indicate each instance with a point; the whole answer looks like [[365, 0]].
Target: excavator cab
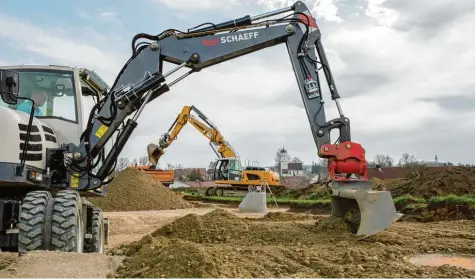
[[63, 96], [228, 169]]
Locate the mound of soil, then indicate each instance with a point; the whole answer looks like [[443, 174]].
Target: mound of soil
[[133, 190], [220, 244], [286, 216], [428, 182], [7, 258], [311, 191]]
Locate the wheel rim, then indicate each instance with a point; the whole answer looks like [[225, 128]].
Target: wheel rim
[[79, 233], [101, 239]]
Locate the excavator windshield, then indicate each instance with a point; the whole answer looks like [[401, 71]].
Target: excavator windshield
[[52, 92], [228, 169]]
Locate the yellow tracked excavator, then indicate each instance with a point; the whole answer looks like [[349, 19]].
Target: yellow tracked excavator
[[228, 174]]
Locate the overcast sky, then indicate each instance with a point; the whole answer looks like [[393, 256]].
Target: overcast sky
[[404, 69]]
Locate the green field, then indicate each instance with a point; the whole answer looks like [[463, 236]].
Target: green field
[[400, 202]]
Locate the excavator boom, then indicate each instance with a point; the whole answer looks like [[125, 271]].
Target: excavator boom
[[221, 147], [227, 168]]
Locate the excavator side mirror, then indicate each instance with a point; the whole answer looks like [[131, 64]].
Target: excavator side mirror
[[9, 82]]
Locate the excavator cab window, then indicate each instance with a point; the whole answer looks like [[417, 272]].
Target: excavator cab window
[[234, 171], [52, 91]]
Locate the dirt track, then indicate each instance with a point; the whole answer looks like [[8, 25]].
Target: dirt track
[[386, 252]]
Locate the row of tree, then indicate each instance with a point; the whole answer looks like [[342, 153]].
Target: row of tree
[[380, 160], [385, 161], [125, 162]]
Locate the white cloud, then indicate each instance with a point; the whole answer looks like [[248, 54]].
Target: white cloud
[[381, 14], [275, 4], [325, 9], [83, 14], [59, 46], [193, 6], [108, 16], [392, 83]]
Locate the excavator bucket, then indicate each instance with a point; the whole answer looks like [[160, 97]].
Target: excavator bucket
[[366, 211], [153, 152]]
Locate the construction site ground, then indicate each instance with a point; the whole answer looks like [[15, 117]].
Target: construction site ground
[[160, 234], [280, 244]]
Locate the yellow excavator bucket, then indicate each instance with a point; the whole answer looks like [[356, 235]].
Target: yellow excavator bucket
[[153, 152], [366, 211]]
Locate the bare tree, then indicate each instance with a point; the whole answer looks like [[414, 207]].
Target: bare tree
[[383, 160], [211, 165], [320, 168], [122, 163], [134, 162], [281, 155], [371, 164], [322, 162], [407, 160], [143, 160], [296, 160]]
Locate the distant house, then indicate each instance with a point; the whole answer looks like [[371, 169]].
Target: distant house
[[286, 169]]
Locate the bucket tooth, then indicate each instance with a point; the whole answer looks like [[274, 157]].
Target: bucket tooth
[[366, 211]]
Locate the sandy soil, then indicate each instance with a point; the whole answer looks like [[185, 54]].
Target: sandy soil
[[126, 227], [130, 226], [49, 264]]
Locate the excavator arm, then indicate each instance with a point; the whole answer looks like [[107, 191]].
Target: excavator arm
[[167, 138], [142, 80], [221, 148]]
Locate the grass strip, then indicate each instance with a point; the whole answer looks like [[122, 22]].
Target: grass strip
[[399, 202], [453, 200]]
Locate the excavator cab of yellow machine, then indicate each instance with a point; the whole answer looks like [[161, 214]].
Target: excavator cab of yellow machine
[[227, 169]]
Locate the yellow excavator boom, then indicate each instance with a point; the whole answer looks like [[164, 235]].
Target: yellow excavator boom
[[227, 168], [221, 147]]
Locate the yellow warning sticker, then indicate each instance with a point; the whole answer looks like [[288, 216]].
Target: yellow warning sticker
[[100, 132], [74, 181]]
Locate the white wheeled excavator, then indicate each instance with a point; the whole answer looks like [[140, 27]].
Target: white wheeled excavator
[[40, 205], [50, 161]]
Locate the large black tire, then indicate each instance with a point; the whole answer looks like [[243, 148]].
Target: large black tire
[[67, 228], [32, 221], [95, 244]]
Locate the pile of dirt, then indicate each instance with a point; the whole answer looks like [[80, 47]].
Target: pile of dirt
[[133, 190], [286, 216], [311, 191], [7, 259], [428, 182], [220, 244]]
